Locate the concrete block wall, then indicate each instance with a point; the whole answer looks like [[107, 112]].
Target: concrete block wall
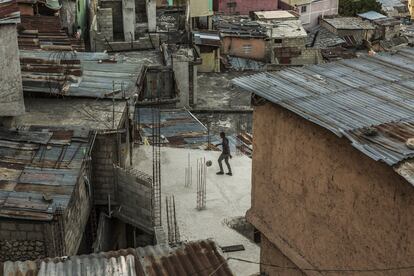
[[134, 194], [21, 241], [104, 156], [76, 215], [293, 51], [117, 16], [105, 24]]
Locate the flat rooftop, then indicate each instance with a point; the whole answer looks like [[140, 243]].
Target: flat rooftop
[[227, 198], [279, 14], [285, 29]]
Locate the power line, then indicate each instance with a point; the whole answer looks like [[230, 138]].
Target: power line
[[327, 269]]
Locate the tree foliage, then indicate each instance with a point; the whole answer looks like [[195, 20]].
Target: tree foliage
[[353, 7]]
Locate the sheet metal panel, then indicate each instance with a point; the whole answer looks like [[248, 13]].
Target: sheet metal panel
[[193, 258], [347, 96], [39, 177]]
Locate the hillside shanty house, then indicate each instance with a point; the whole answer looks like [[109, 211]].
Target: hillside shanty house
[[45, 191], [333, 165]]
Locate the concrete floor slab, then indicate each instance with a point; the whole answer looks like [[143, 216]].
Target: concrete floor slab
[[227, 197]]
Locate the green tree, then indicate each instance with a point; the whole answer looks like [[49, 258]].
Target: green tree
[[353, 7]]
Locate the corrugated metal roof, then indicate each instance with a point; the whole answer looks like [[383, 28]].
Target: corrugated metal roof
[[348, 96], [349, 23], [193, 258], [45, 33], [371, 15], [39, 169], [78, 74], [9, 12]]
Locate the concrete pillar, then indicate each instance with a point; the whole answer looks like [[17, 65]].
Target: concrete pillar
[[129, 20], [181, 75], [195, 85], [152, 15], [11, 89]]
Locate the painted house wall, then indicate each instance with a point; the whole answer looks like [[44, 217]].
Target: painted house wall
[[199, 8], [244, 7], [252, 48], [322, 202], [310, 10]]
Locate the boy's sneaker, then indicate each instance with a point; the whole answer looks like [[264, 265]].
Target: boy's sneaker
[[229, 173], [220, 173]]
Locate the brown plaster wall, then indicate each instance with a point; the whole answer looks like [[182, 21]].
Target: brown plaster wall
[[270, 254], [330, 203], [252, 48]]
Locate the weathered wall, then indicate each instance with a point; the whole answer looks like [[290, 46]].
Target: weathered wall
[[252, 48], [128, 19], [244, 7], [101, 29], [152, 15], [270, 254], [21, 241], [76, 215], [117, 17], [11, 90], [315, 9], [181, 75], [104, 155], [200, 8], [134, 194], [211, 61], [68, 15], [292, 51], [324, 199]]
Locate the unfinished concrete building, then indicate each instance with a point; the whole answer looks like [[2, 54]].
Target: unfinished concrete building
[[333, 166], [123, 25]]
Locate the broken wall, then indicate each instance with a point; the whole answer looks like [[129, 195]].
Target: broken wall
[[317, 198]]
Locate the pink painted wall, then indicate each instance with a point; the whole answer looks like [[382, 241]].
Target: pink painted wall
[[244, 6]]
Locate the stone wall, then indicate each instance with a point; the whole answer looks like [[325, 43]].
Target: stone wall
[[321, 201], [21, 241], [11, 90]]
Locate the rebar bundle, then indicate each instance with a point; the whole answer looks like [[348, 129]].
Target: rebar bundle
[[201, 183], [188, 173], [172, 226], [156, 166]]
